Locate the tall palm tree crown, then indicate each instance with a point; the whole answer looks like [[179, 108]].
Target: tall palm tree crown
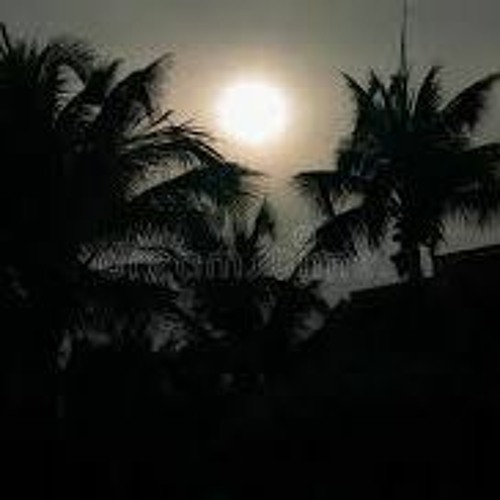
[[77, 140], [410, 163], [79, 143]]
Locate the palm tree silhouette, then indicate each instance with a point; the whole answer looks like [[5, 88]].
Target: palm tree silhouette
[[238, 315], [409, 164], [81, 146], [79, 141], [254, 310]]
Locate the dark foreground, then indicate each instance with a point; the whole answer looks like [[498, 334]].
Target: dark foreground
[[396, 399]]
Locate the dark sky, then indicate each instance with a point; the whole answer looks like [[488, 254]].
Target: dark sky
[[302, 45]]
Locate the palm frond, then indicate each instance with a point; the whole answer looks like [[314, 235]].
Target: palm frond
[[480, 205], [386, 98], [160, 273], [484, 159], [255, 248], [341, 235], [6, 41], [170, 145], [464, 112], [122, 309], [363, 99], [398, 101], [265, 223], [428, 99], [477, 193], [169, 221], [70, 53], [320, 187], [100, 82], [76, 117], [379, 110], [228, 186], [134, 99]]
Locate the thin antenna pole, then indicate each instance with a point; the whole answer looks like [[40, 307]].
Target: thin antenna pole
[[404, 66]]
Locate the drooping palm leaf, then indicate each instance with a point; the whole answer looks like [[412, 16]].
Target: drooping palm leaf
[[319, 186], [226, 185], [79, 113], [341, 235], [67, 52], [134, 99], [168, 145], [464, 112]]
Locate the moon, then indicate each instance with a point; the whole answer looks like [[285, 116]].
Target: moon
[[252, 111]]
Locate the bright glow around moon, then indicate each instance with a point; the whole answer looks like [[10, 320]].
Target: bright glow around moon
[[252, 112]]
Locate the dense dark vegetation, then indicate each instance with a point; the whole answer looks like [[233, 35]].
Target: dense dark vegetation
[[150, 350]]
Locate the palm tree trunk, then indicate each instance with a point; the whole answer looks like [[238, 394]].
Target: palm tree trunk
[[415, 271], [433, 257], [408, 263]]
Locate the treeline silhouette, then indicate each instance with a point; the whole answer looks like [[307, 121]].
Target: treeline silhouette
[[149, 348]]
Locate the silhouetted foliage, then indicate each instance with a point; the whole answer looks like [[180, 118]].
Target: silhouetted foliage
[[409, 165], [81, 146], [147, 332]]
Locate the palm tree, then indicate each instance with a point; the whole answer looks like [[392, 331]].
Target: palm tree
[[252, 311], [410, 163], [78, 141], [238, 317], [80, 144]]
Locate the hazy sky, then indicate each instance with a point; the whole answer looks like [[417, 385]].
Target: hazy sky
[[301, 45]]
